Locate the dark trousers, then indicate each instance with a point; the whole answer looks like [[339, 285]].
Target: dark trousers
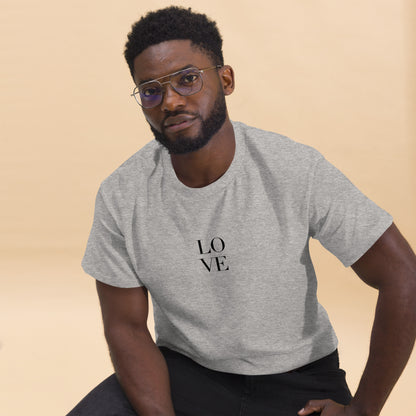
[[199, 391]]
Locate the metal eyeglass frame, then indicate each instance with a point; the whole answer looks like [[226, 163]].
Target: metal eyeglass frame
[[136, 90]]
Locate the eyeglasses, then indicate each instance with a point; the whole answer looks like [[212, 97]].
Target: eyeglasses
[[185, 82]]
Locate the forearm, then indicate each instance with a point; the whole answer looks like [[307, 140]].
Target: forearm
[[142, 371], [392, 340]]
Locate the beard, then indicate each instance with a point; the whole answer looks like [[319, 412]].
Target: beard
[[183, 144]]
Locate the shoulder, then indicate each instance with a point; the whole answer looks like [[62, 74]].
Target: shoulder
[[132, 173], [278, 151]]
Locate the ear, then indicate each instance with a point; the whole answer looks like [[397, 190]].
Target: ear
[[226, 74]]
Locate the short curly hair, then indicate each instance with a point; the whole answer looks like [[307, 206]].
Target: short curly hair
[[172, 23]]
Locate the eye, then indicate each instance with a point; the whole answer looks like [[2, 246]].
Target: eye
[[189, 79], [150, 91]]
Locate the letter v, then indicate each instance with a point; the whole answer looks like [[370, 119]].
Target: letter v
[[206, 265]]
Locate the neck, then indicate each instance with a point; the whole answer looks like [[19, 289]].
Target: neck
[[206, 165]]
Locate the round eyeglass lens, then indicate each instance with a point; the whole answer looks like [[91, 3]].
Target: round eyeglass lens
[[151, 95], [187, 82]]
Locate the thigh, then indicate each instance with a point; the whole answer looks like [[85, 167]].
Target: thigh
[[285, 394], [107, 399], [199, 391]]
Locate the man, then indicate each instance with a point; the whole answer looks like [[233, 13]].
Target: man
[[214, 218]]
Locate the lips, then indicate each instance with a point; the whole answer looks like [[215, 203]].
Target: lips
[[179, 122]]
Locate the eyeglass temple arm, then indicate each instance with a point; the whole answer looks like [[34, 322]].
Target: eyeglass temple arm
[[212, 67]]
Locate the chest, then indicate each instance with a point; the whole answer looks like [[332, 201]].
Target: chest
[[238, 238]]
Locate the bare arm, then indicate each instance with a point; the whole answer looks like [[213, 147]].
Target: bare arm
[[139, 365], [390, 267]]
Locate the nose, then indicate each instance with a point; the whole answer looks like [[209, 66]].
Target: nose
[[171, 100]]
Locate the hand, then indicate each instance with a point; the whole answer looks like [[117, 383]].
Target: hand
[[327, 408]]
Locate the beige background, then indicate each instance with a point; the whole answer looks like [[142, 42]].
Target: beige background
[[337, 75]]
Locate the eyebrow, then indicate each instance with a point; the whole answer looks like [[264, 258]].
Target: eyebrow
[[164, 76]]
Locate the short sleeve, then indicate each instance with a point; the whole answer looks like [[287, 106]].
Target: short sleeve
[[341, 217], [106, 257]]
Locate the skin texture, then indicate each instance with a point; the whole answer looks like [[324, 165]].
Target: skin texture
[[389, 266], [139, 365]]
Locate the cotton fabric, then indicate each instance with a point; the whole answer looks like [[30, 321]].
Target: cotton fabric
[[228, 265]]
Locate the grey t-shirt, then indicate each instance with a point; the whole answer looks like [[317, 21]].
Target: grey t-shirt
[[228, 265]]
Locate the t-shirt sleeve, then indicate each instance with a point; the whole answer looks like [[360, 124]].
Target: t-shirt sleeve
[[106, 257], [341, 217]]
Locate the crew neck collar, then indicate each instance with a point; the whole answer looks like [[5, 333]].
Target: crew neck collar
[[175, 183]]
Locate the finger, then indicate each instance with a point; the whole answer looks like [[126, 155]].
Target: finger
[[314, 406]]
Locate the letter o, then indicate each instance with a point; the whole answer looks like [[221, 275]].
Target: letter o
[[221, 243]]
